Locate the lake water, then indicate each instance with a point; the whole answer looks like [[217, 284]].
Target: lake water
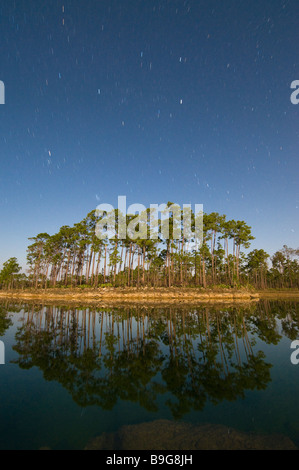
[[72, 373]]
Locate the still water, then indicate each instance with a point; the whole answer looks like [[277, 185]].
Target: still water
[[72, 373]]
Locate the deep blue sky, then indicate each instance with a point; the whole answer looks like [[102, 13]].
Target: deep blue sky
[[187, 101]]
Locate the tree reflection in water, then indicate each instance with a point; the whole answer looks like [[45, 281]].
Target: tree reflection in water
[[5, 320], [193, 354]]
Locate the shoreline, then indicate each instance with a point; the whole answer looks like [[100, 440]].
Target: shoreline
[[147, 295], [279, 294], [133, 295]]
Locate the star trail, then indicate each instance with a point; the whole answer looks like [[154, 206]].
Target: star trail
[[183, 101]]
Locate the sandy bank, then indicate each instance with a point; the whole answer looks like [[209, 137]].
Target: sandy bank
[[119, 295], [288, 294]]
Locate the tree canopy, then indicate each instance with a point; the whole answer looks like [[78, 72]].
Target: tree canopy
[[76, 256]]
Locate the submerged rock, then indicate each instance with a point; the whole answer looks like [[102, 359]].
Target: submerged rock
[[170, 435]]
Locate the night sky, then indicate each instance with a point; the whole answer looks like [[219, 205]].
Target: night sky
[[182, 101]]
